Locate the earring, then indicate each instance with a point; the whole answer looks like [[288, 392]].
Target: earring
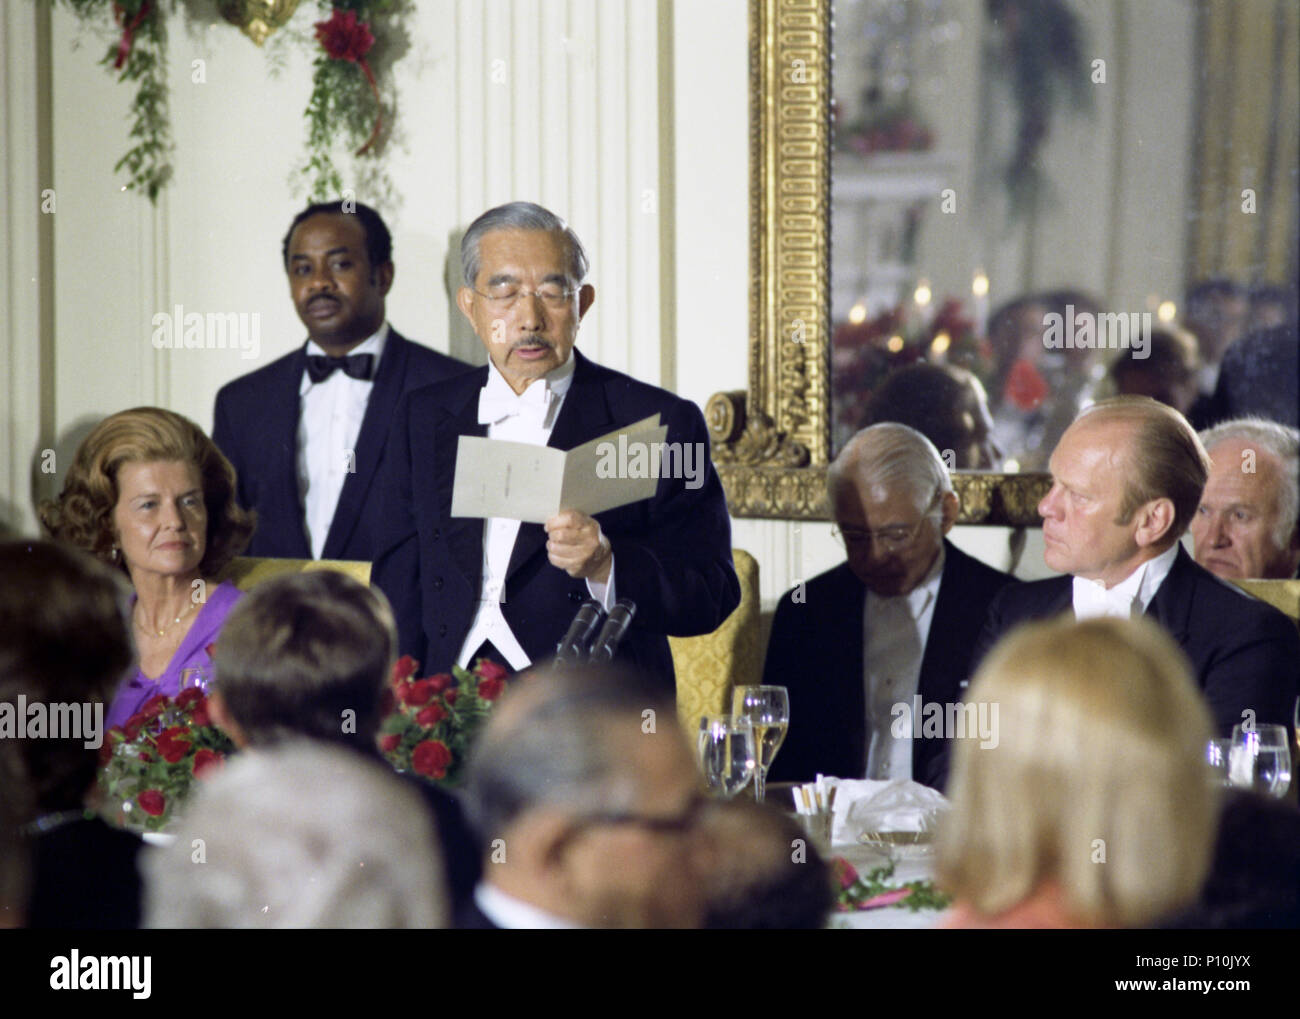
[[116, 551]]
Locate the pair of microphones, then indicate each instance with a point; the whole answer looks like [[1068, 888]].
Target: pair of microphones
[[583, 644]]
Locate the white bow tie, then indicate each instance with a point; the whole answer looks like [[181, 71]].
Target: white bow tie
[[1093, 601], [495, 404]]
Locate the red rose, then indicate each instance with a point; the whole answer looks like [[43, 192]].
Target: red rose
[[404, 668], [440, 682], [207, 763], [416, 693], [451, 695], [145, 757], [188, 696], [489, 688], [488, 669], [431, 715], [152, 802], [389, 742], [106, 751], [154, 705], [172, 744], [133, 724], [199, 716], [431, 758], [342, 37]]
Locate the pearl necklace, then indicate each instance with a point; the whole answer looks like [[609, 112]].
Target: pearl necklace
[[163, 632]]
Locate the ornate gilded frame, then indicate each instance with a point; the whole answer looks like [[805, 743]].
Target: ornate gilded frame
[[771, 444]]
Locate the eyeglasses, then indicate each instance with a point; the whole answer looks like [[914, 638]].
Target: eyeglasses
[[504, 296], [889, 539]]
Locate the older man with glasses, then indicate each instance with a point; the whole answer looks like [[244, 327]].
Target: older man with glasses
[[858, 644]]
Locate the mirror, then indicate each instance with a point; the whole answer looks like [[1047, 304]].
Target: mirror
[[1120, 170]]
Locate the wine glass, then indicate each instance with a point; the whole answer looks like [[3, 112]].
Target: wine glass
[[727, 757], [1260, 759], [197, 676], [767, 709]]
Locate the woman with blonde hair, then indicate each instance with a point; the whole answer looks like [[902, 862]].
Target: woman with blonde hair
[[1093, 808], [149, 493]]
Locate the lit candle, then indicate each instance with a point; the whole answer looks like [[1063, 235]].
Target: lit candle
[[979, 287]]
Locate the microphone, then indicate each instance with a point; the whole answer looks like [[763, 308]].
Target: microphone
[[620, 618], [573, 648]]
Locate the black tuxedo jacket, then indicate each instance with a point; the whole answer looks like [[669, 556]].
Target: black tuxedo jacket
[[1244, 653], [672, 553], [816, 652], [256, 426]]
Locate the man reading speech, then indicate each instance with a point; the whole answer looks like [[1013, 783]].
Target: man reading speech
[[462, 587]]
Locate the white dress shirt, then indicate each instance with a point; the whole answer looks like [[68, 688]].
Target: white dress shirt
[[329, 421], [526, 417], [894, 634], [1130, 597], [513, 914]]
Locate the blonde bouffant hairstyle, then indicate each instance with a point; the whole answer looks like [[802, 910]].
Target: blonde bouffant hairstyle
[[1097, 782], [82, 515]]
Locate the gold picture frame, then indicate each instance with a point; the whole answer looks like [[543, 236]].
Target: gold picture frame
[[771, 443]]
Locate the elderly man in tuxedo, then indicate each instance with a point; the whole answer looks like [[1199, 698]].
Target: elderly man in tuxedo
[[1127, 478], [856, 645], [307, 433], [1246, 523], [464, 587]]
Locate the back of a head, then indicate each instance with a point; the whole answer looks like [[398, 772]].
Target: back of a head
[[1166, 458], [307, 654], [939, 402], [556, 739], [764, 873], [1095, 780], [64, 639], [299, 835]]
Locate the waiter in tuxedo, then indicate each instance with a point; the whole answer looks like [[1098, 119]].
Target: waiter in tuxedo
[[1127, 477], [856, 644], [307, 433], [463, 587]]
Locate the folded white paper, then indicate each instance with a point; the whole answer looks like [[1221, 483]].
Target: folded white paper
[[521, 481]]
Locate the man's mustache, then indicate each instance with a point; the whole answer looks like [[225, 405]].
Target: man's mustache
[[532, 341]]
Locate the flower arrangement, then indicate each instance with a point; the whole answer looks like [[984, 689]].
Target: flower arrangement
[[873, 891], [148, 765], [436, 719]]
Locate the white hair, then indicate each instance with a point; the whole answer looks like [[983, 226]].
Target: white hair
[[890, 454], [520, 216], [1283, 442], [303, 834]]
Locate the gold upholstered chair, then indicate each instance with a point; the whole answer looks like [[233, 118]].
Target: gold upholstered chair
[[708, 667], [246, 572]]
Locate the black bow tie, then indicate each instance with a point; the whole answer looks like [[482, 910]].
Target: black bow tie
[[356, 366]]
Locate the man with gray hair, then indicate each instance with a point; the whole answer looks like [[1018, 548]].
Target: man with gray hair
[[1245, 526], [586, 799], [464, 587], [896, 622]]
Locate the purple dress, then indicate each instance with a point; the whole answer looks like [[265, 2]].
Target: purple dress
[[192, 653]]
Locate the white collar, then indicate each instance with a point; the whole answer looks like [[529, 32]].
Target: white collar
[[497, 400], [1134, 592], [510, 913], [919, 598], [372, 344]]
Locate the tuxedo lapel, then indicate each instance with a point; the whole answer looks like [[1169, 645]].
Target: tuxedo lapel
[[1172, 605], [464, 534], [943, 657], [279, 469], [383, 398], [583, 416]]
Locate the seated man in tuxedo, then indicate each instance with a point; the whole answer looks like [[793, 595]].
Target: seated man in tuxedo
[[1127, 478], [306, 434], [463, 587], [897, 621], [1246, 523], [588, 817]]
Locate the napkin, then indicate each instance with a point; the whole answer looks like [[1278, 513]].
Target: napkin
[[866, 805]]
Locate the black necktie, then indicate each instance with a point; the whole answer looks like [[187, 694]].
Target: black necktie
[[356, 366]]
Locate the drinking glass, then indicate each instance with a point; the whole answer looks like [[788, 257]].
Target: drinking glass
[[1261, 759], [1218, 754], [727, 758], [767, 709], [199, 676]]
